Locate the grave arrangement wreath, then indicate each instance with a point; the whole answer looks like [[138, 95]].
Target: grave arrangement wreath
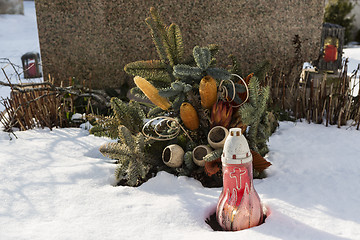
[[184, 111]]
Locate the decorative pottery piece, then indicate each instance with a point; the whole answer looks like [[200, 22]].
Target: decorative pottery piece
[[173, 156], [199, 153], [216, 137]]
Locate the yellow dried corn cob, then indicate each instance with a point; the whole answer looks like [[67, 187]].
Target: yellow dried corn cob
[[152, 93], [189, 116], [208, 92]]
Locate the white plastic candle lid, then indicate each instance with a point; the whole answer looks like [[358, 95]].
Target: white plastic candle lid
[[236, 148]]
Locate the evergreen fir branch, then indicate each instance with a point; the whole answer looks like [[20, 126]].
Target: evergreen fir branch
[[176, 42], [237, 99], [247, 112], [130, 115], [154, 112], [188, 160], [216, 154], [254, 115], [219, 73], [202, 57], [157, 38], [151, 70], [133, 173], [125, 137], [182, 71], [98, 131], [139, 143], [121, 170], [168, 92], [177, 93], [254, 89], [114, 150], [106, 127], [178, 86], [133, 162], [164, 38], [137, 93], [214, 49], [265, 95], [178, 101], [136, 171]]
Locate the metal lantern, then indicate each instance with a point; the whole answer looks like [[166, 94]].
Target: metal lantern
[[332, 42], [239, 206], [31, 65]]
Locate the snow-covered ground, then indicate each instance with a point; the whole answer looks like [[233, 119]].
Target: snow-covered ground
[[57, 185], [18, 35]]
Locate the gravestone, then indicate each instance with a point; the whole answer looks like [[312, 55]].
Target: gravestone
[[92, 40], [11, 7]]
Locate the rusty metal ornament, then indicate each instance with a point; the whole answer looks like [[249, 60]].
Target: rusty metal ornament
[[239, 206]]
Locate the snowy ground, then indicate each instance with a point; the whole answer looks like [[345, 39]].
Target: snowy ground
[[56, 185], [18, 36]]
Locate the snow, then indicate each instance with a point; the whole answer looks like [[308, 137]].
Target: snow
[[57, 185], [18, 36]]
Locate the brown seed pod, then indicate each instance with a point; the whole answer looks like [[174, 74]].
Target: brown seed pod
[[151, 92], [189, 116], [208, 92]]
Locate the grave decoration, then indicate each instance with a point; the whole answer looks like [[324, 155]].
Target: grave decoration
[[31, 65], [182, 114], [332, 43], [239, 206]]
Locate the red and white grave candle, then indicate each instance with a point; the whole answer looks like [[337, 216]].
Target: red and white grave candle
[[239, 205]]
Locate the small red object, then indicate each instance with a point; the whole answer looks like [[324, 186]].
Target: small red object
[[330, 53], [31, 65]]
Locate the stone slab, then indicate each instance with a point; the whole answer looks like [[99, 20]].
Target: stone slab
[[94, 39]]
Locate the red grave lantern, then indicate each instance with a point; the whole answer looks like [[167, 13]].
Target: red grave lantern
[[330, 54], [31, 65]]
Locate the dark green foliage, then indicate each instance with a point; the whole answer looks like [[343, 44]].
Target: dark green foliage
[[133, 163], [176, 93], [154, 112], [152, 70], [216, 154], [105, 127], [203, 61], [188, 160], [337, 12], [254, 115], [130, 115], [169, 46], [168, 40]]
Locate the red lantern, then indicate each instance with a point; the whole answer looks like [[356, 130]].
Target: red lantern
[[239, 205], [31, 65], [330, 53]]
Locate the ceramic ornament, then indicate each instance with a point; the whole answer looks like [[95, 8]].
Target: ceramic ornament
[[217, 136], [173, 156]]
